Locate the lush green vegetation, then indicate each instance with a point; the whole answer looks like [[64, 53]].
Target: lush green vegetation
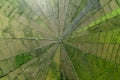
[[22, 59], [89, 67], [1, 72]]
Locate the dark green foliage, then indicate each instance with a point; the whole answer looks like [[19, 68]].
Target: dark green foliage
[[22, 58], [90, 67], [1, 72]]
